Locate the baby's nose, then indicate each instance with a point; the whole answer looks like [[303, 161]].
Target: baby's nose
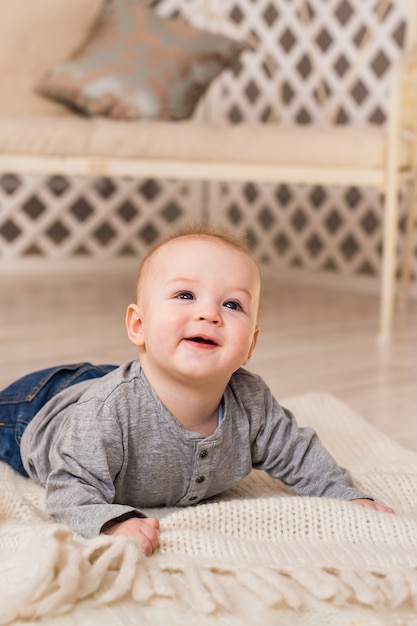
[[210, 314], [209, 318]]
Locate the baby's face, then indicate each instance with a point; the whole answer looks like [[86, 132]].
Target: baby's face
[[198, 305]]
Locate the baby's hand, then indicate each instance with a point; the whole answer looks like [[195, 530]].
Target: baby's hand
[[374, 505], [145, 530]]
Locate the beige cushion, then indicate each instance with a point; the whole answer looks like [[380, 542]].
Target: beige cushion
[[35, 36], [188, 140], [243, 143], [138, 65]]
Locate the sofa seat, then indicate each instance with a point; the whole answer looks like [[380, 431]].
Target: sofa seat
[[190, 141]]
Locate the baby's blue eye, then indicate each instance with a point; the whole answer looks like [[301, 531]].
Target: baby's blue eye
[[185, 295], [235, 306]]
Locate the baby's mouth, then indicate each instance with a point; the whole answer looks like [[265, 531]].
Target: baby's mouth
[[203, 340]]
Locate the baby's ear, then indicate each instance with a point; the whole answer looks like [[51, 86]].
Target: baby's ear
[[134, 325], [253, 344]]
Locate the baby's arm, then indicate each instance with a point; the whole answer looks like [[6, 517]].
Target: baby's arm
[[370, 504], [298, 458], [144, 529]]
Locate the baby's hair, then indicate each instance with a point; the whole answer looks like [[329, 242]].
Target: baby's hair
[[198, 230]]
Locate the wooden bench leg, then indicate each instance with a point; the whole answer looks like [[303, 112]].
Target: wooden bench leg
[[389, 257], [408, 245]]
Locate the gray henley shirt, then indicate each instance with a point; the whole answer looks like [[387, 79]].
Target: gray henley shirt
[[108, 447]]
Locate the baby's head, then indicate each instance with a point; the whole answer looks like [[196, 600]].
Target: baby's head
[[197, 303], [199, 232]]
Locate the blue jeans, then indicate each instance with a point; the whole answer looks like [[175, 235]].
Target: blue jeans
[[20, 402]]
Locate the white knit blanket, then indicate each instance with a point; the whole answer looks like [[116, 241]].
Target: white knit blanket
[[256, 555]]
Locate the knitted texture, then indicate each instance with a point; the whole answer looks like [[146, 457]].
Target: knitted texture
[[254, 555]]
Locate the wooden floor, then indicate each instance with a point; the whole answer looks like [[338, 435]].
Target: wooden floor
[[312, 339]]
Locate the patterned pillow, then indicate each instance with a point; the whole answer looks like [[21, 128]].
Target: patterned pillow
[[136, 64]]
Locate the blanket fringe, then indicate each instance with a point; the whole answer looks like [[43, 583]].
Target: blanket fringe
[[107, 569], [212, 589], [112, 571]]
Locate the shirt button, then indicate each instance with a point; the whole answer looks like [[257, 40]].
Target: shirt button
[[200, 479], [203, 454]]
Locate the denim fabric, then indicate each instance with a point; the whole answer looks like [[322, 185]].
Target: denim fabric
[[20, 402]]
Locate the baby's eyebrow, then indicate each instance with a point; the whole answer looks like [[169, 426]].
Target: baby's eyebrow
[[235, 294], [181, 280]]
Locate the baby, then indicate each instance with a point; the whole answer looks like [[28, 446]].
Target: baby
[[182, 423]]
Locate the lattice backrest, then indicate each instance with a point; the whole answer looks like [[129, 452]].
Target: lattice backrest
[[317, 61], [407, 77]]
